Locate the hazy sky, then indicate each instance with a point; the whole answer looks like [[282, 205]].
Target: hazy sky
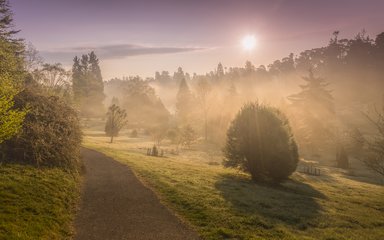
[[141, 37]]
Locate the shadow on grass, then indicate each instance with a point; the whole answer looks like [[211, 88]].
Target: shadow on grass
[[292, 202]]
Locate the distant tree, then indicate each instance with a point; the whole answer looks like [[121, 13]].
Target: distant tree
[[342, 160], [220, 71], [178, 76], [374, 158], [249, 68], [259, 141], [159, 133], [313, 110], [32, 58], [184, 103], [116, 120], [142, 104], [54, 79], [203, 91], [88, 86], [187, 136]]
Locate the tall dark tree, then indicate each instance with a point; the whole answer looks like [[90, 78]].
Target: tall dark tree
[[88, 84], [11, 74]]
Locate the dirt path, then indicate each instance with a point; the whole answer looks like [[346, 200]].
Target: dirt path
[[116, 205]]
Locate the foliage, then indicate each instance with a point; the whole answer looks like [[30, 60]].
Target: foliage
[[342, 160], [312, 110], [88, 86], [259, 141], [143, 107], [158, 133], [54, 80], [187, 136], [50, 135], [374, 159], [184, 103], [116, 120], [11, 75]]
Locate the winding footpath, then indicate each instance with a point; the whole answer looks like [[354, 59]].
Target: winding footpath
[[116, 205]]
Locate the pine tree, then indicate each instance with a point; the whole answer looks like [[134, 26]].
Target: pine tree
[[220, 71], [11, 74], [259, 141], [313, 112], [88, 86]]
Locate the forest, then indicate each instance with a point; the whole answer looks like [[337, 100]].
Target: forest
[[289, 150]]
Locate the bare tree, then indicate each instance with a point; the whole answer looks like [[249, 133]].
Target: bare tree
[[53, 77], [32, 58], [374, 159]]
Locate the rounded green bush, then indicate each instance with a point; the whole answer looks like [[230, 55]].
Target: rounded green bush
[[260, 141], [50, 135]]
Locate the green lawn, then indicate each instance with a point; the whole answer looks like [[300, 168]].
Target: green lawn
[[37, 203], [225, 204]]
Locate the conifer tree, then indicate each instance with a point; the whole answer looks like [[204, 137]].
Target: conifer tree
[[313, 111], [88, 86], [11, 74]]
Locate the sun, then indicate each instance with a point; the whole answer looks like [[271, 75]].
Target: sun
[[249, 42]]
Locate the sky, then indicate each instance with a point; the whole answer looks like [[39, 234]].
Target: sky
[[142, 37]]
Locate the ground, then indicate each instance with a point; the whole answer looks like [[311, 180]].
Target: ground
[[37, 203], [225, 204], [115, 205]]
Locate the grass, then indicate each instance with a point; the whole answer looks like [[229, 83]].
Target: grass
[[37, 203], [225, 204]]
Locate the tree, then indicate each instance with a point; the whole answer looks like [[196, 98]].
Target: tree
[[11, 74], [220, 71], [187, 136], [259, 141], [342, 160], [312, 111], [374, 158], [203, 91], [142, 104], [184, 103], [116, 120], [10, 119], [88, 86], [54, 79], [50, 135]]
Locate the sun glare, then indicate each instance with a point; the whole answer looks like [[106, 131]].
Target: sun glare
[[249, 42]]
